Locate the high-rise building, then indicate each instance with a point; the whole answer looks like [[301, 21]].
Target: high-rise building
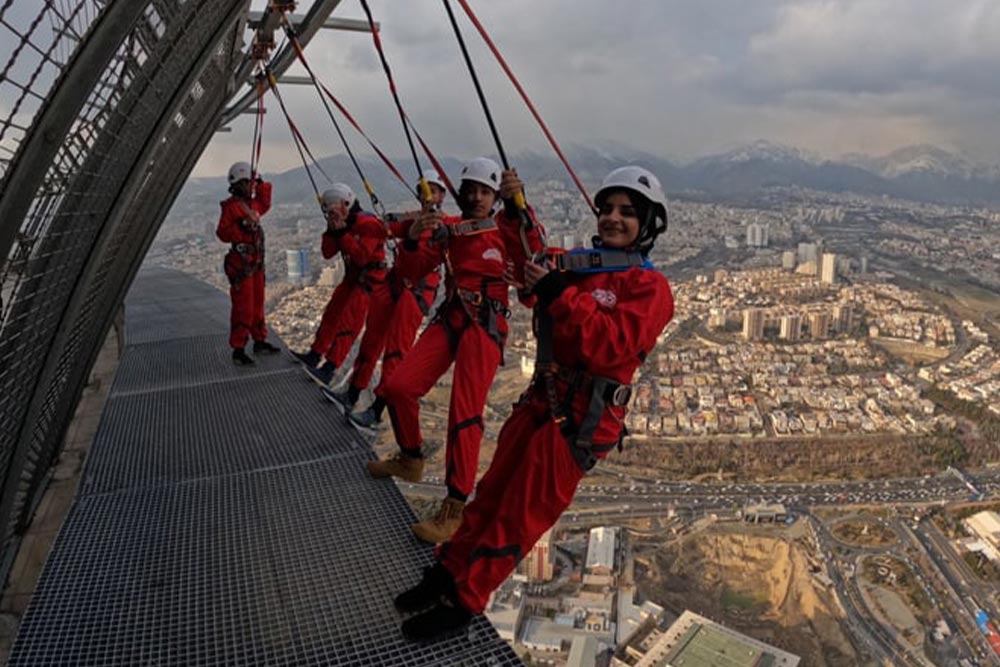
[[843, 317], [753, 324], [298, 266], [819, 326], [716, 318], [807, 252], [537, 566], [791, 327], [788, 260], [758, 235], [828, 268], [601, 548], [864, 265]]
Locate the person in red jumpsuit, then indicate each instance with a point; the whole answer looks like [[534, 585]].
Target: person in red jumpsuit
[[469, 329], [359, 237], [394, 315], [598, 315], [239, 225]]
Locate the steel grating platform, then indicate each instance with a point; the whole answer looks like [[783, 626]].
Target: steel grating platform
[[203, 539]]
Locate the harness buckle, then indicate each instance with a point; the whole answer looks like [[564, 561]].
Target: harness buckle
[[621, 395]]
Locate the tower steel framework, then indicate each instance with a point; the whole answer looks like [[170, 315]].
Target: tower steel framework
[[105, 106]]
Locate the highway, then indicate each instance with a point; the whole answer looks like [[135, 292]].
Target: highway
[[614, 497]]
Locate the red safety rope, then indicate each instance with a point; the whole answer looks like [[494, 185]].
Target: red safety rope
[[527, 101], [343, 110], [258, 135], [300, 142]]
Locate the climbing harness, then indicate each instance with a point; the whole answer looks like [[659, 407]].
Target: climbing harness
[[464, 228], [604, 392], [598, 260]]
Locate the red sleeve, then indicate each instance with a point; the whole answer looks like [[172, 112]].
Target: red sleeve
[[229, 230], [362, 250], [418, 258], [400, 226], [510, 230], [330, 245], [366, 242], [643, 306], [262, 197]]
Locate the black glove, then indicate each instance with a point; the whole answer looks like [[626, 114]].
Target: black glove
[[550, 286]]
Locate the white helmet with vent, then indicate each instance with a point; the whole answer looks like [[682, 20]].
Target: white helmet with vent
[[642, 182], [432, 176], [239, 171], [482, 170]]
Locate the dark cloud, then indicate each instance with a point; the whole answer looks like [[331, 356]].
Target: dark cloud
[[675, 77]]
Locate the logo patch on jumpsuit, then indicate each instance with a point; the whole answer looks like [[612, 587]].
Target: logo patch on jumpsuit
[[493, 254], [606, 298]]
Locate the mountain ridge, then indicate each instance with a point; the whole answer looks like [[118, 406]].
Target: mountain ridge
[[920, 173]]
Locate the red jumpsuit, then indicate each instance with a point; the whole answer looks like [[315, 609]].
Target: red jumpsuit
[[362, 245], [394, 316], [414, 300], [469, 329], [604, 323], [244, 263]]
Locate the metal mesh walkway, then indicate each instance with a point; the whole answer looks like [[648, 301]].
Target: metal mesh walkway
[[225, 518]]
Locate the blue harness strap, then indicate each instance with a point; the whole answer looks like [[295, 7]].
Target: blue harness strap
[[600, 260]]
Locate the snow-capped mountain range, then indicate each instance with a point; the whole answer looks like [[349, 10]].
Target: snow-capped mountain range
[[919, 173]]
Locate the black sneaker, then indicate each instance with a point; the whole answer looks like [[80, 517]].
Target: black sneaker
[[321, 374], [262, 346], [241, 358], [341, 399], [309, 358], [365, 420], [439, 622], [436, 582]]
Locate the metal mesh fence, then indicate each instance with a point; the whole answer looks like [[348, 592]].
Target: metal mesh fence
[[119, 99]]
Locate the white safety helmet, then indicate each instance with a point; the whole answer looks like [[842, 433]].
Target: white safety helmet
[[432, 176], [339, 192], [642, 182], [482, 170], [239, 171]]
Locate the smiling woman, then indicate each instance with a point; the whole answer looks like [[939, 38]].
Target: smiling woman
[[598, 314]]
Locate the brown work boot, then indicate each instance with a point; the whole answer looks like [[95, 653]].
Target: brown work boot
[[443, 526], [410, 468]]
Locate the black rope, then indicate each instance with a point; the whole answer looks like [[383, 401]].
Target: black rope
[[425, 189], [475, 81], [376, 204], [299, 143]]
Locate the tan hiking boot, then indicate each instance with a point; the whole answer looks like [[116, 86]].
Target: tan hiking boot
[[398, 465], [443, 526]]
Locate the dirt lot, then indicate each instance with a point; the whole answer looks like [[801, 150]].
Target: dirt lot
[[759, 584]]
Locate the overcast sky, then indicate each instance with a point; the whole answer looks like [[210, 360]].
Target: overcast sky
[[680, 78]]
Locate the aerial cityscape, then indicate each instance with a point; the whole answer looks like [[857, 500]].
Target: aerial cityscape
[[734, 402], [809, 474]]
